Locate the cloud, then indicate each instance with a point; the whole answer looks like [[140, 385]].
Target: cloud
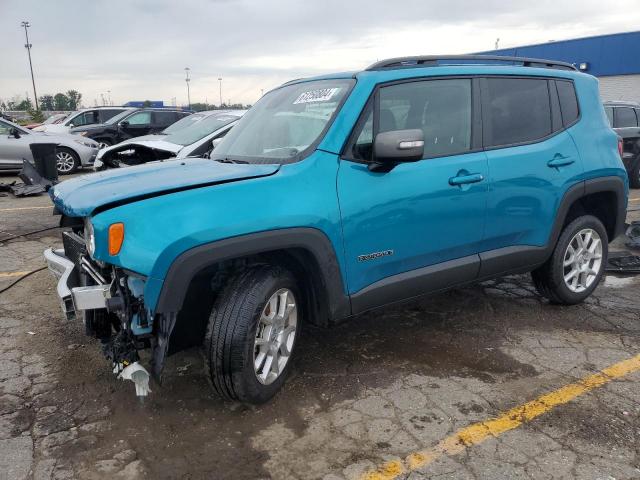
[[138, 49]]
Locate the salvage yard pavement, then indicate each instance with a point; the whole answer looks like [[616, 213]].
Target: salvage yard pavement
[[366, 398]]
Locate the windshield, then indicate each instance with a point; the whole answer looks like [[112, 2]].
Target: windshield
[[54, 118], [183, 123], [117, 118], [198, 131], [284, 123]]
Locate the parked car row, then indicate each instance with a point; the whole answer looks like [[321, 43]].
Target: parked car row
[[160, 133]]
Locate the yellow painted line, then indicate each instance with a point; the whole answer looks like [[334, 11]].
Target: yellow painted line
[[24, 208], [481, 431], [12, 274]]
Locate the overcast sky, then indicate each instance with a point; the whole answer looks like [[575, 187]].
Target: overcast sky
[[138, 49]]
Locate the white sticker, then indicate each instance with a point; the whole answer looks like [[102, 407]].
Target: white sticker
[[320, 95]]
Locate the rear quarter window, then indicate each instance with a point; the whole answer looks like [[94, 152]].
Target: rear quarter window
[[515, 110], [568, 102]]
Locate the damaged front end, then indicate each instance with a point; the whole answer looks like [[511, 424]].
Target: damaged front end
[[110, 302], [130, 154]]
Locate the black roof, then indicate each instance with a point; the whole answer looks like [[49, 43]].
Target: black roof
[[435, 60]]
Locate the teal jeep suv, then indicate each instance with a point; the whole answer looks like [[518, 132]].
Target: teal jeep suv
[[338, 194]]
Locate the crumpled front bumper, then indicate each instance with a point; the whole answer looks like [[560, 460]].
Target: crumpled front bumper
[[73, 297]]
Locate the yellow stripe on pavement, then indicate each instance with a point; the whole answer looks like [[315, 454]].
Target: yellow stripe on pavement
[[24, 208], [481, 431], [12, 274]]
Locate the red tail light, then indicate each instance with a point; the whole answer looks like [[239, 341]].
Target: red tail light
[[620, 149]]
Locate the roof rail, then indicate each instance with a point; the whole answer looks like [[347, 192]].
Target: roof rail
[[434, 61]]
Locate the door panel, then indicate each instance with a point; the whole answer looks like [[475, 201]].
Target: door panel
[[526, 190], [410, 217], [527, 180], [419, 214]]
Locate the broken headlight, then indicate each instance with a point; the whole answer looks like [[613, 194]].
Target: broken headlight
[[89, 236]]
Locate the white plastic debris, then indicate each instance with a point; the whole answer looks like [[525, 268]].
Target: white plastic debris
[[139, 376]]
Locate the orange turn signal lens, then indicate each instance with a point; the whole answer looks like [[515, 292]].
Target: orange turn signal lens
[[116, 237]]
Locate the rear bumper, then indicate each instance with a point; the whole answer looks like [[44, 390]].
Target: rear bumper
[[73, 297]]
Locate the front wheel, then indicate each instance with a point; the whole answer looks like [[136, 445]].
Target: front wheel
[[577, 263], [67, 161], [252, 334]]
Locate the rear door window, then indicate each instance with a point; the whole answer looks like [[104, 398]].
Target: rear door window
[[625, 117], [568, 102], [106, 114], [515, 111], [165, 118]]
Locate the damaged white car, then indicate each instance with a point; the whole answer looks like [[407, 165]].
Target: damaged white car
[[193, 136]]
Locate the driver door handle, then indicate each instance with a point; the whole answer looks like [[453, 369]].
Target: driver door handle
[[465, 179]]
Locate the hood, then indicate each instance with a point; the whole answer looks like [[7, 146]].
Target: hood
[[90, 128], [81, 196]]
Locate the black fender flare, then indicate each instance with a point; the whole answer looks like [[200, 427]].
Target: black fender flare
[[189, 263], [582, 189]]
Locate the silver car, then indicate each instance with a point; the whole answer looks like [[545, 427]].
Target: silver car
[[72, 153]]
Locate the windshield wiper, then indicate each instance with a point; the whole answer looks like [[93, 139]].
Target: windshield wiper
[[229, 160]]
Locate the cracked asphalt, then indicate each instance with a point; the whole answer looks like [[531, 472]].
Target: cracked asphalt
[[373, 390]]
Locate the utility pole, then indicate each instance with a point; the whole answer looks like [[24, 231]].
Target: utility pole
[[497, 43], [187, 79], [109, 102], [28, 47], [220, 80]]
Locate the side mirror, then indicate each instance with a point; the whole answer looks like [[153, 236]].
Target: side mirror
[[14, 132], [396, 146], [123, 124], [215, 142]]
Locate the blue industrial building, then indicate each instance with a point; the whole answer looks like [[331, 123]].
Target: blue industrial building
[[614, 59]]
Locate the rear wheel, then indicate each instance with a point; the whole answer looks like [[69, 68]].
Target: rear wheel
[[577, 263], [67, 161], [634, 173], [252, 334]]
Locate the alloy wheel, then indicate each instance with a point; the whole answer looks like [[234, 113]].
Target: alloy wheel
[[275, 336], [65, 162], [582, 260]]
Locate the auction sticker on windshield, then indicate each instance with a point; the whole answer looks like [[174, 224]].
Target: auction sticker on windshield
[[320, 95]]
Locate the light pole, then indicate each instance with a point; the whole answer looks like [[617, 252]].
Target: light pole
[[187, 79], [109, 102], [28, 47], [220, 80]]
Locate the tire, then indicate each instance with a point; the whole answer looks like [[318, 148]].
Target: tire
[[67, 161], [549, 279], [634, 173], [236, 318], [104, 143]]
